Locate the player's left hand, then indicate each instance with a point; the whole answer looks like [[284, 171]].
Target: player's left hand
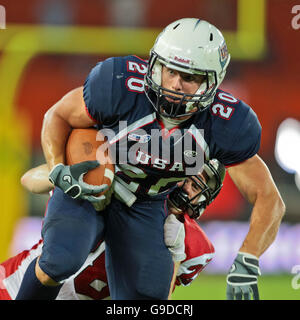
[[174, 235], [242, 278]]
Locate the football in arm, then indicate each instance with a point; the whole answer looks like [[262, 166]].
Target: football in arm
[[90, 144]]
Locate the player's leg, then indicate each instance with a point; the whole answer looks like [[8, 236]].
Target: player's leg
[[138, 263], [70, 230], [12, 271], [89, 283]]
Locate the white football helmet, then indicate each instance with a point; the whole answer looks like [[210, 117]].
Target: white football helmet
[[192, 46]]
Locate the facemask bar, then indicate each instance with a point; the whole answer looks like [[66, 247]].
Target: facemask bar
[[180, 199], [204, 198]]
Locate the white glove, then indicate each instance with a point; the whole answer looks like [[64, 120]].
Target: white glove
[[174, 235]]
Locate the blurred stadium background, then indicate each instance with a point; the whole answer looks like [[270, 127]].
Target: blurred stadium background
[[48, 47]]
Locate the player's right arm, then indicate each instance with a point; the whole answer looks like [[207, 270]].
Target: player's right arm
[[67, 113], [70, 112]]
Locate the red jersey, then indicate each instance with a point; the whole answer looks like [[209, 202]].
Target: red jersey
[[90, 282]]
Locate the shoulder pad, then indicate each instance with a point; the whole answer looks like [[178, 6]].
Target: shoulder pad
[[110, 87], [235, 128]]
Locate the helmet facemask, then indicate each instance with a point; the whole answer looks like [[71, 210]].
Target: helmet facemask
[[185, 103], [214, 173]]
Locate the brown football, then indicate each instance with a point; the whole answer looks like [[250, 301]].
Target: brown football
[[90, 144]]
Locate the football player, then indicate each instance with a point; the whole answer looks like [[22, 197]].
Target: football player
[[186, 240], [162, 118]]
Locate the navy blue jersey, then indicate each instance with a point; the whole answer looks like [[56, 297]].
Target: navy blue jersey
[[153, 160]]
